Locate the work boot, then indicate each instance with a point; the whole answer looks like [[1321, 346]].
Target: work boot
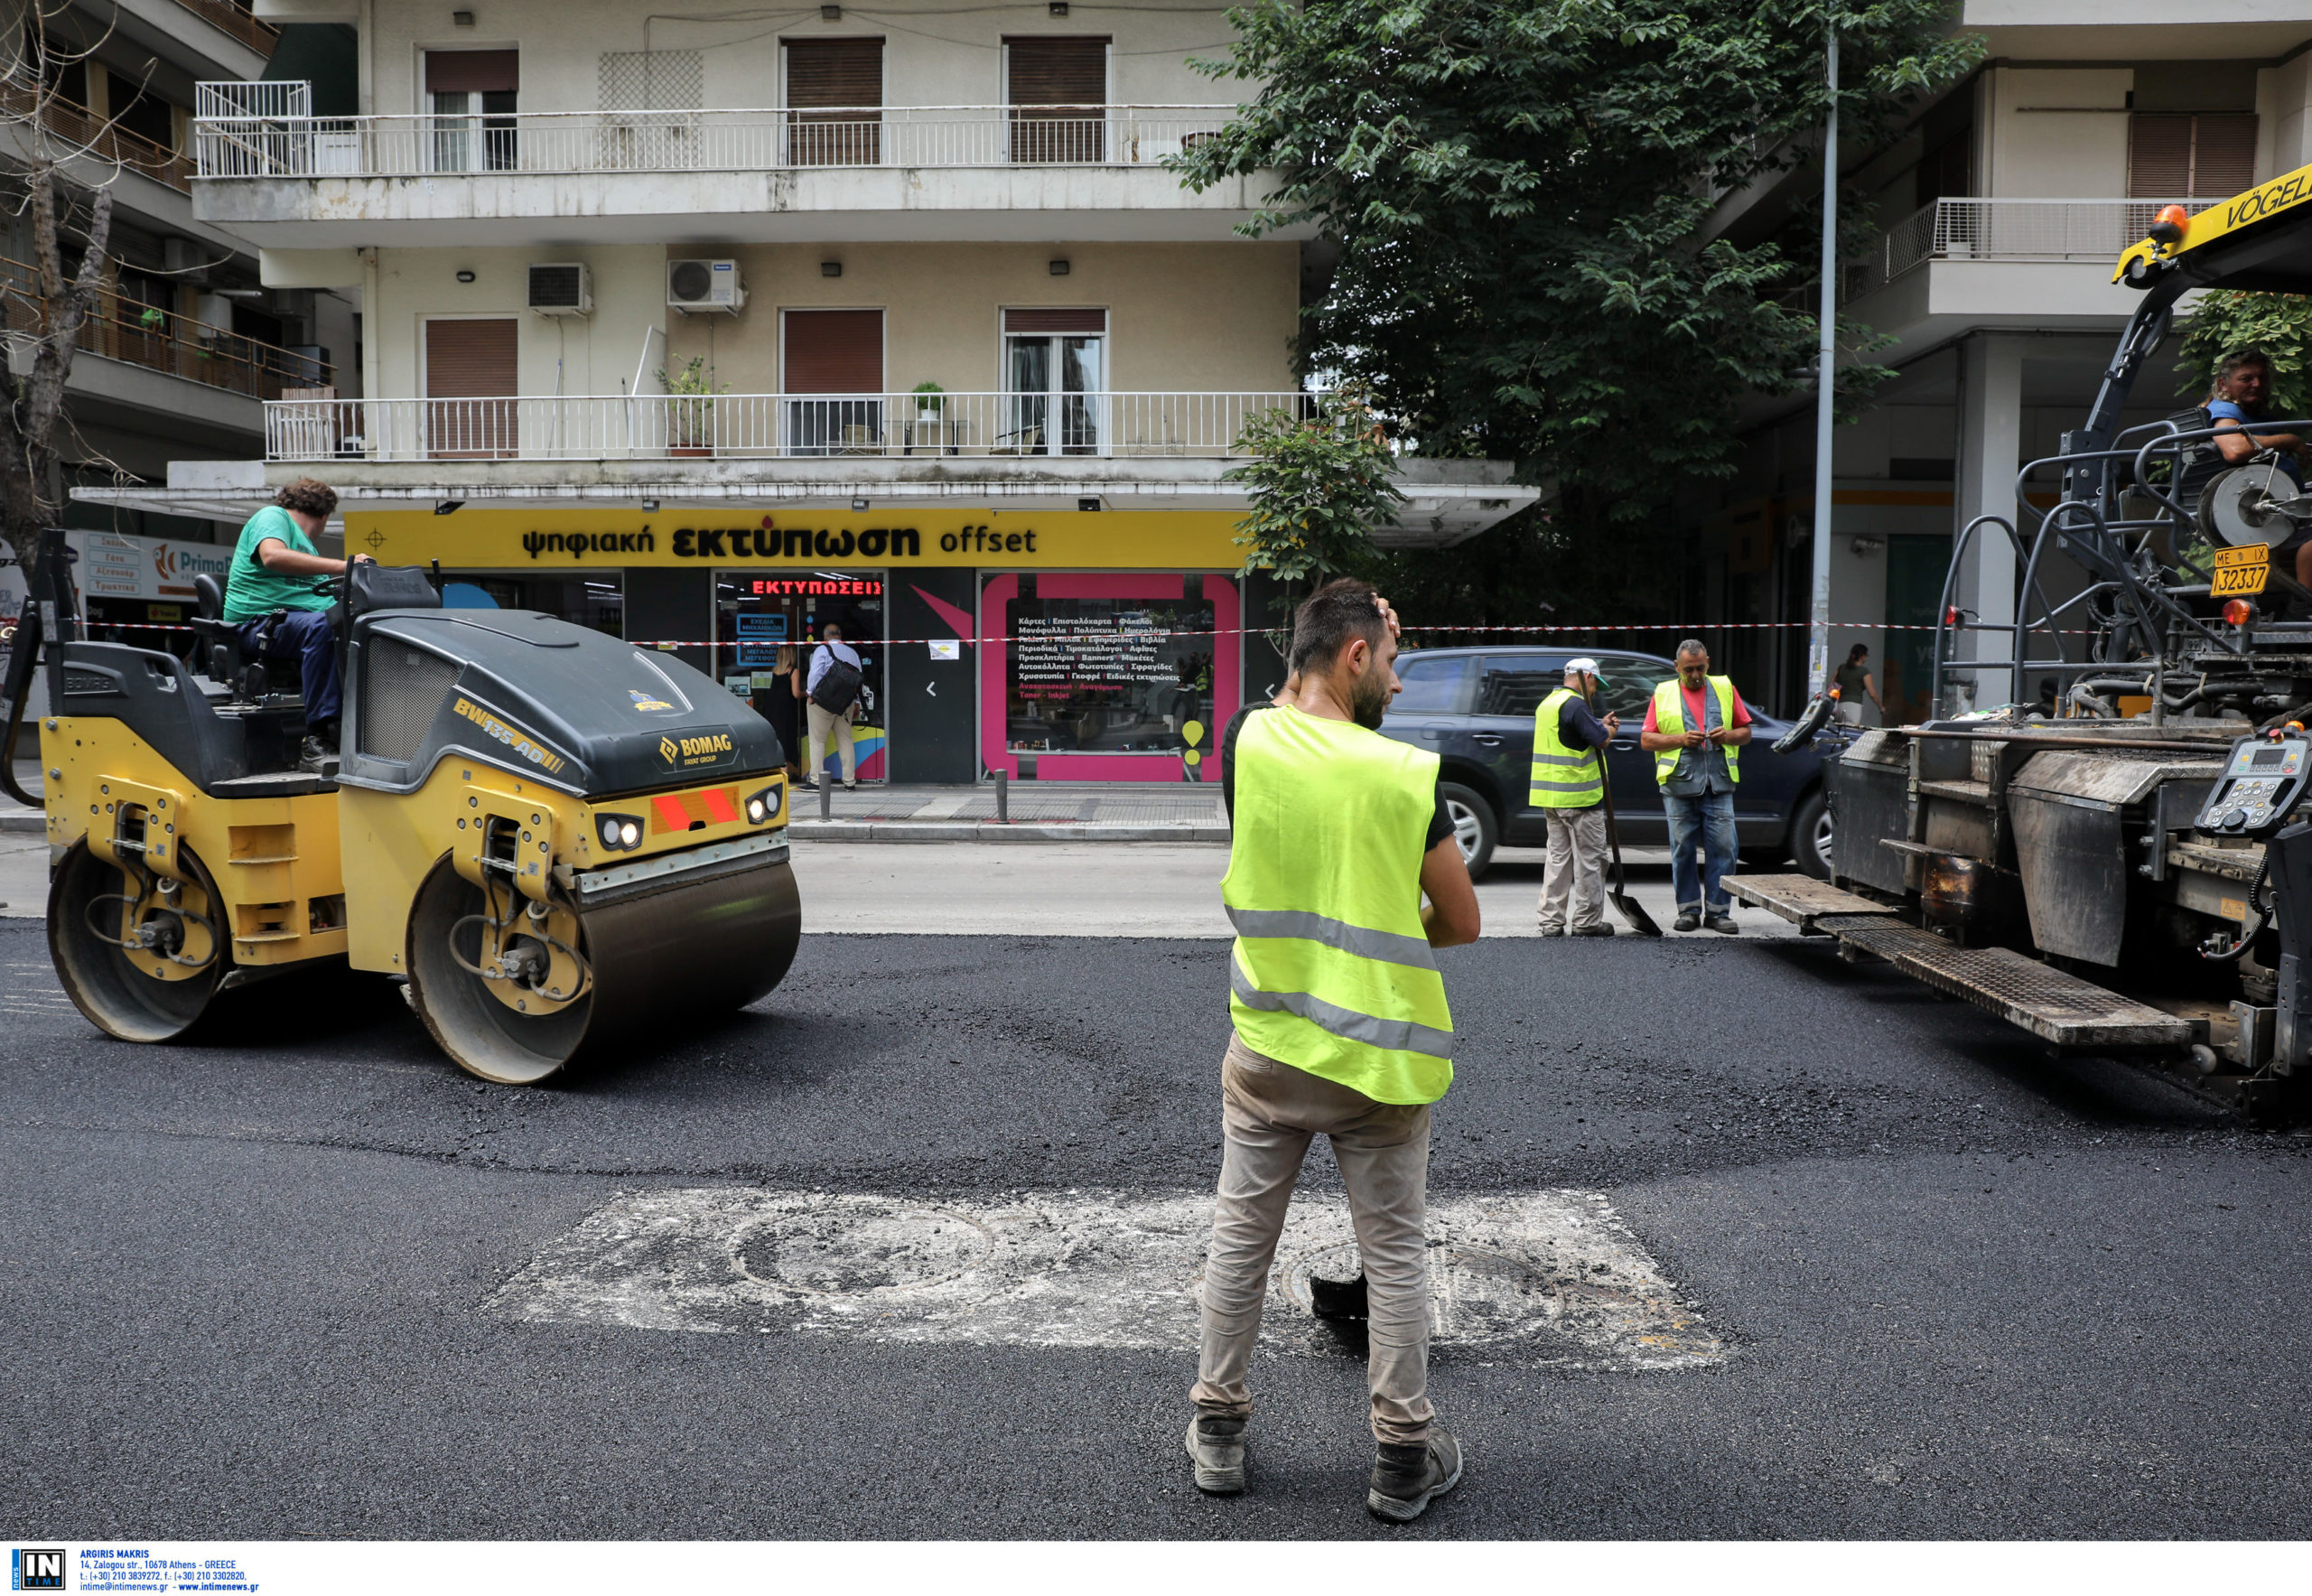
[[1216, 1448], [1688, 921], [1724, 922], [1405, 1478], [317, 758], [1548, 930], [1601, 930]]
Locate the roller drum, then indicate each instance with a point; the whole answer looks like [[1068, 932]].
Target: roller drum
[[144, 994]]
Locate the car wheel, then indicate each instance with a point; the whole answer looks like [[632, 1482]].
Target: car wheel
[[1474, 827], [1810, 835]]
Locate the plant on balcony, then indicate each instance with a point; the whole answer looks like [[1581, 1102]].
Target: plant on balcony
[[1318, 484], [928, 406], [690, 406], [2279, 324]]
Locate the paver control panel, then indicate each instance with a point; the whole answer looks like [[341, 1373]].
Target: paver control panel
[[2264, 780]]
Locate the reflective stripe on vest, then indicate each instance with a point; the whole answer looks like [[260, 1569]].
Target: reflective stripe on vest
[[1332, 971], [1562, 778], [1670, 719]]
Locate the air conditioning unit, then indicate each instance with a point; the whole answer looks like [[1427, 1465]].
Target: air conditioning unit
[[705, 285], [561, 290]]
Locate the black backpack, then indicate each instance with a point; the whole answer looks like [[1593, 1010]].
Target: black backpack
[[838, 686]]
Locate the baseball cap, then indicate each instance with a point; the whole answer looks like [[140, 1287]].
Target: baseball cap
[[1587, 666]]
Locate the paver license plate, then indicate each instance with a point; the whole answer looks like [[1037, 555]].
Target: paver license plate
[[2240, 570]]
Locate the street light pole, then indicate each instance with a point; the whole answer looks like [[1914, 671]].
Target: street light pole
[[1818, 635]]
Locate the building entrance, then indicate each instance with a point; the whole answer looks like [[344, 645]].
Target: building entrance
[[766, 624]]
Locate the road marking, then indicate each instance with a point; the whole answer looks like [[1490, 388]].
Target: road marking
[[1545, 1278]]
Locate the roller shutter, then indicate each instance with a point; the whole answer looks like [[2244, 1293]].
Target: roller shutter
[[472, 368], [473, 71], [834, 352], [1058, 89], [841, 74], [2208, 156]]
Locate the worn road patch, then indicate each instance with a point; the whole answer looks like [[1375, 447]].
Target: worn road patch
[[1541, 1277]]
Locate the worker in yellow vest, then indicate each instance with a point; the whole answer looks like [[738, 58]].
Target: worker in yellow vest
[[1695, 729], [1341, 1028], [1568, 785]]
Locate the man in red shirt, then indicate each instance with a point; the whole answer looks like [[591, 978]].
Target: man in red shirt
[[1695, 728]]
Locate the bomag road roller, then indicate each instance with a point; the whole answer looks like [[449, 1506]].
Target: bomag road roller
[[554, 838]]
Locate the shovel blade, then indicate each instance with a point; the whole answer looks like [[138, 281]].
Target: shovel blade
[[1639, 920]]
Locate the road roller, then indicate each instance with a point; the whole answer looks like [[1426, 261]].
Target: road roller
[[559, 841]]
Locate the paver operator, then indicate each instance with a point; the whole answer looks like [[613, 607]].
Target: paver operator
[[1569, 787], [1341, 1028], [1695, 729]]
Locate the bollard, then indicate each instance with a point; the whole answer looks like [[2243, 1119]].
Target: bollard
[[826, 797], [1002, 798]]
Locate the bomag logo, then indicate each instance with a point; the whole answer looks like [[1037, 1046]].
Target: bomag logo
[[708, 749], [504, 733]]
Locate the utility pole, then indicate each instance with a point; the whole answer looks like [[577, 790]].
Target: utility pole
[[1818, 633]]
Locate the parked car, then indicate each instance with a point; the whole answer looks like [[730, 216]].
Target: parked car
[[1473, 709]]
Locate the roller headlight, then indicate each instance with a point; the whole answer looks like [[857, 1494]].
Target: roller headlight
[[763, 807], [618, 832]]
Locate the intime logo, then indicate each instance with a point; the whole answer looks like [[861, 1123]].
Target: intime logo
[[36, 1568]]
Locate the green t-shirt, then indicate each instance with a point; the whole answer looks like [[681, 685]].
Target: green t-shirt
[[251, 591]]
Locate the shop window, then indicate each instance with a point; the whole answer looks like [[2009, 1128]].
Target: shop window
[[1057, 89], [470, 101], [595, 598]]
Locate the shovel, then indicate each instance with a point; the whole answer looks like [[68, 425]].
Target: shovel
[[1618, 893]]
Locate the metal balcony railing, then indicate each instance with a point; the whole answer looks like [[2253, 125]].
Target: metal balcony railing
[[2097, 231], [160, 340], [677, 426], [235, 20], [78, 125], [269, 143], [232, 98]]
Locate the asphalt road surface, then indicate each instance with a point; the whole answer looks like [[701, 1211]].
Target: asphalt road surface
[[300, 1279]]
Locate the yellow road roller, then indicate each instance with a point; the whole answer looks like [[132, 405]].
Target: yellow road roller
[[554, 837]]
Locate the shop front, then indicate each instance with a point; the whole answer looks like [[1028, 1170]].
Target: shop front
[[1061, 645]]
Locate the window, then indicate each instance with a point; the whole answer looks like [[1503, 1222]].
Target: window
[[1055, 375], [1058, 90], [2206, 156], [472, 364], [469, 100], [1437, 685], [136, 110], [1630, 687], [834, 89], [834, 352], [1515, 684], [1093, 674], [1948, 169]]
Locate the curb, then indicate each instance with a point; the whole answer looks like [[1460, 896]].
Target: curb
[[29, 822], [992, 831]]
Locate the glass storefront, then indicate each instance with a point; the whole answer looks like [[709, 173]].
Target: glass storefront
[[1106, 676], [765, 624], [595, 598]]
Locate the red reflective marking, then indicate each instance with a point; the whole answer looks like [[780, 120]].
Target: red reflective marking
[[719, 807], [671, 813]]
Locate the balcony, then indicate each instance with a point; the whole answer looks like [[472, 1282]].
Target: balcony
[[2096, 232], [236, 20], [84, 130], [941, 429], [288, 179]]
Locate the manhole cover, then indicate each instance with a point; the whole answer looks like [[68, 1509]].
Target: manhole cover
[[1475, 1294], [843, 1246]]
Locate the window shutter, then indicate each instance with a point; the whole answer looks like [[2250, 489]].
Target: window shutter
[[2224, 159], [1050, 321], [834, 353], [844, 73], [2160, 158], [1058, 71], [473, 71], [477, 365]]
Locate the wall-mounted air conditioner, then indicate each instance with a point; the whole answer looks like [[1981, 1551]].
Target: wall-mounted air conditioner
[[705, 285], [561, 290]]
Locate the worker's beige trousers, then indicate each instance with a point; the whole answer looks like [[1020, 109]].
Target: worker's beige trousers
[[814, 768], [1576, 869], [1269, 1112]]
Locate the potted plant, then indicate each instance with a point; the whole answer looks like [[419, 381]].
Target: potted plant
[[928, 403], [690, 409]]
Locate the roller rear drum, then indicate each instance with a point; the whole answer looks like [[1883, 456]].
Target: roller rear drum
[[137, 952]]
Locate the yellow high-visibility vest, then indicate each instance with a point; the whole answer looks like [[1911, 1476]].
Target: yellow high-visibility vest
[[1563, 778], [1670, 719]]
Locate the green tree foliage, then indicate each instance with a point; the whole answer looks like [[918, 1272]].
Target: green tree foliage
[[1317, 485], [2279, 324]]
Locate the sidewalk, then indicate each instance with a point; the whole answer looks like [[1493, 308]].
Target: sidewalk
[[1037, 811]]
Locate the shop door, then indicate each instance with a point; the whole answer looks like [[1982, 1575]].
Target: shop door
[[825, 355], [472, 371], [766, 629], [1915, 567]]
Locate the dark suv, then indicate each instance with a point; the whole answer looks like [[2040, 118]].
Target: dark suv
[[1473, 709]]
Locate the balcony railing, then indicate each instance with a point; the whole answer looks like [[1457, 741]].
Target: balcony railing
[[237, 21], [78, 125], [160, 341], [663, 426], [2097, 231], [555, 142]]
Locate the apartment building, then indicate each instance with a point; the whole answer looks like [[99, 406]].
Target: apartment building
[[714, 328], [2002, 206]]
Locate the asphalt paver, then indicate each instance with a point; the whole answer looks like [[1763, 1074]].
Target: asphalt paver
[[1967, 1290]]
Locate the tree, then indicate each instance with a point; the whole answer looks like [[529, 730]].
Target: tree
[[43, 319], [1316, 485], [2279, 324], [1517, 187]]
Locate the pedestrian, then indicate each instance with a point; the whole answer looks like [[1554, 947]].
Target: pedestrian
[[1695, 729], [1854, 684], [781, 704], [1569, 787], [1341, 1028], [832, 690]]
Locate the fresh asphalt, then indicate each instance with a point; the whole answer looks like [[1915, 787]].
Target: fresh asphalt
[[1972, 1291]]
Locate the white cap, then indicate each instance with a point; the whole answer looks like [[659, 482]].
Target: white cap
[[1585, 665]]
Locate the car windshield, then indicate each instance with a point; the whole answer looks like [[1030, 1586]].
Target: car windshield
[[1515, 684]]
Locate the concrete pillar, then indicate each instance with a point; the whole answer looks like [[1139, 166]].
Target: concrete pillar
[[1990, 446]]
